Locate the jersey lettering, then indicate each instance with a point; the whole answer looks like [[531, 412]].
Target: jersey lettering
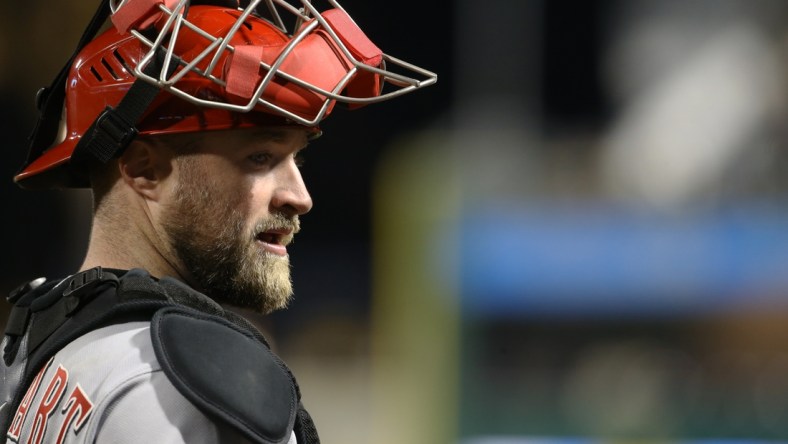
[[75, 413], [54, 391], [24, 406], [77, 410]]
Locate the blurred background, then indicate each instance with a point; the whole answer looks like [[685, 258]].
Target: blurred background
[[579, 234]]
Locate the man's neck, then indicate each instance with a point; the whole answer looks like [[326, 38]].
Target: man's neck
[[122, 243]]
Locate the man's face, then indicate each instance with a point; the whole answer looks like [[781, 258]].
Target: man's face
[[233, 209]]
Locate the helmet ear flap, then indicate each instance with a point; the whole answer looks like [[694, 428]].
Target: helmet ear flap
[[51, 100], [115, 128]]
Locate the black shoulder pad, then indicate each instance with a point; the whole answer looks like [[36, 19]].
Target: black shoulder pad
[[226, 373]]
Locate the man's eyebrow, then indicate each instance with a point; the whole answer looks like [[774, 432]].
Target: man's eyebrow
[[272, 134]]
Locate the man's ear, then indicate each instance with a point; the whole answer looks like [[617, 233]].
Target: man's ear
[[143, 167]]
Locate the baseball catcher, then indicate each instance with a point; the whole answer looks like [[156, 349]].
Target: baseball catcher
[[186, 119]]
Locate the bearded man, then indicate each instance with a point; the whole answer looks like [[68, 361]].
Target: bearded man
[[187, 122]]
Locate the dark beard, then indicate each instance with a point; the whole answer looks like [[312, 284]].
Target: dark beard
[[207, 234]]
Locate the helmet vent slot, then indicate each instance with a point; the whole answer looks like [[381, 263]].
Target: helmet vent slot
[[122, 61], [109, 69], [96, 74]]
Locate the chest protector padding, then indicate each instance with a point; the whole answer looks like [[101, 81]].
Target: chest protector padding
[[215, 358], [222, 369]]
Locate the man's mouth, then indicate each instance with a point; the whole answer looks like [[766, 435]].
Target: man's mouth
[[275, 240]]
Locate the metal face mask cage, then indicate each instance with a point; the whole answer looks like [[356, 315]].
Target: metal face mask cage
[[253, 74], [180, 66]]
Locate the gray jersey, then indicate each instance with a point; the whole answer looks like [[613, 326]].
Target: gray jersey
[[108, 387]]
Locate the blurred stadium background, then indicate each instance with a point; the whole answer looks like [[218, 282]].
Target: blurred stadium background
[[580, 234]]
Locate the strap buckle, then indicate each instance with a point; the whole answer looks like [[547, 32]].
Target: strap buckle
[[83, 282], [111, 134]]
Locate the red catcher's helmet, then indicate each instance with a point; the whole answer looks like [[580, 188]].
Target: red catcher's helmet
[[213, 68]]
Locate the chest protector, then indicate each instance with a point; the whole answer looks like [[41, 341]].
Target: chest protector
[[265, 403]]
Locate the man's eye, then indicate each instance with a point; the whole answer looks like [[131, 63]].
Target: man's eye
[[260, 158]]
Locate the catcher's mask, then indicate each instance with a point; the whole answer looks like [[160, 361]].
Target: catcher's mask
[[177, 66]]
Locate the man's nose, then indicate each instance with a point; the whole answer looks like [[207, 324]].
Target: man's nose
[[291, 194]]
